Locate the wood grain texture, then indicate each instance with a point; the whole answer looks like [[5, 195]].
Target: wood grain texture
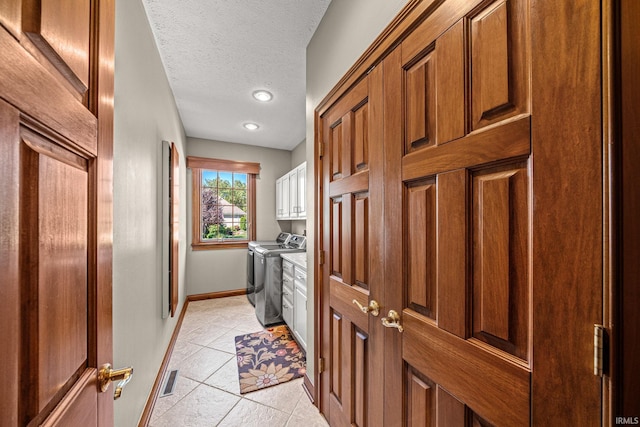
[[79, 410], [567, 215], [393, 266], [360, 124], [25, 88], [355, 183], [490, 62], [62, 286], [450, 84], [420, 402], [361, 241], [336, 357], [450, 412], [421, 236], [335, 245], [10, 334], [509, 140], [501, 261], [335, 148], [360, 379], [420, 101], [496, 387], [10, 16], [452, 195], [500, 62]]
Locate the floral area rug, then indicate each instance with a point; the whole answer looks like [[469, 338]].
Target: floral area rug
[[268, 358]]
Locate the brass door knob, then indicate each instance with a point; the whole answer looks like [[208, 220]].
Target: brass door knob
[[392, 320], [373, 308], [106, 375]]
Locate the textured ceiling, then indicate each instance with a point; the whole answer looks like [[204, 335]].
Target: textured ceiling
[[217, 52]]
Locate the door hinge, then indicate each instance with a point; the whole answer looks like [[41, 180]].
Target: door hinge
[[321, 258], [320, 149], [599, 343], [321, 365]]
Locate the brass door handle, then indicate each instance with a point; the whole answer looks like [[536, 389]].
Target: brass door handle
[[392, 320], [107, 375], [373, 308]]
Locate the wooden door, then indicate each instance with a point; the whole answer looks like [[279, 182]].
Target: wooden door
[[352, 205], [492, 217], [496, 297], [56, 117]]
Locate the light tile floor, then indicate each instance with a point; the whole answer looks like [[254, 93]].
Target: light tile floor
[[207, 391]]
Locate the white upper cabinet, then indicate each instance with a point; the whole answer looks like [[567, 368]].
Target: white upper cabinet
[[301, 199], [291, 193]]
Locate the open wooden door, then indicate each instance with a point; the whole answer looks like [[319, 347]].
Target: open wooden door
[[56, 120], [491, 257]]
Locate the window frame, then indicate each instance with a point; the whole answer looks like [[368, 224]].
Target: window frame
[[197, 165]]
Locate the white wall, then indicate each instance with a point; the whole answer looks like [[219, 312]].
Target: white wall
[[225, 269], [145, 114], [345, 32]]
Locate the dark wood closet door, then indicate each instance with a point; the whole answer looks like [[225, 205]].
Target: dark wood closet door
[[352, 271], [56, 112], [496, 330], [463, 217]]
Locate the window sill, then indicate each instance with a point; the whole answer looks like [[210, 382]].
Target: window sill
[[218, 245]]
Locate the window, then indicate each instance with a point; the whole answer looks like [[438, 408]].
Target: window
[[223, 203]]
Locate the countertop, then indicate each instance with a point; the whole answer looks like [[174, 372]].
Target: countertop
[[298, 258]]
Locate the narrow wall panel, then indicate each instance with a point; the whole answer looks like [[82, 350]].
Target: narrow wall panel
[[360, 138], [336, 356], [336, 150], [336, 237], [361, 386], [421, 103]]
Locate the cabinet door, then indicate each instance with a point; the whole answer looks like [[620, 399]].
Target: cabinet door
[[286, 212], [301, 209], [300, 313], [279, 210], [293, 194]]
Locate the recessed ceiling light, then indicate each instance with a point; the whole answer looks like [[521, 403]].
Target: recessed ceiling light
[[251, 126], [263, 95]]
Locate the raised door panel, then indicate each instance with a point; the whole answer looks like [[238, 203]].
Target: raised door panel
[[498, 58], [61, 31], [56, 347]]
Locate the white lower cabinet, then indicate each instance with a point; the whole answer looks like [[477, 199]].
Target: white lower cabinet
[[294, 300]]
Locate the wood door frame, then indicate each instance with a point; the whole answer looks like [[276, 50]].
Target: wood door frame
[[620, 144]]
